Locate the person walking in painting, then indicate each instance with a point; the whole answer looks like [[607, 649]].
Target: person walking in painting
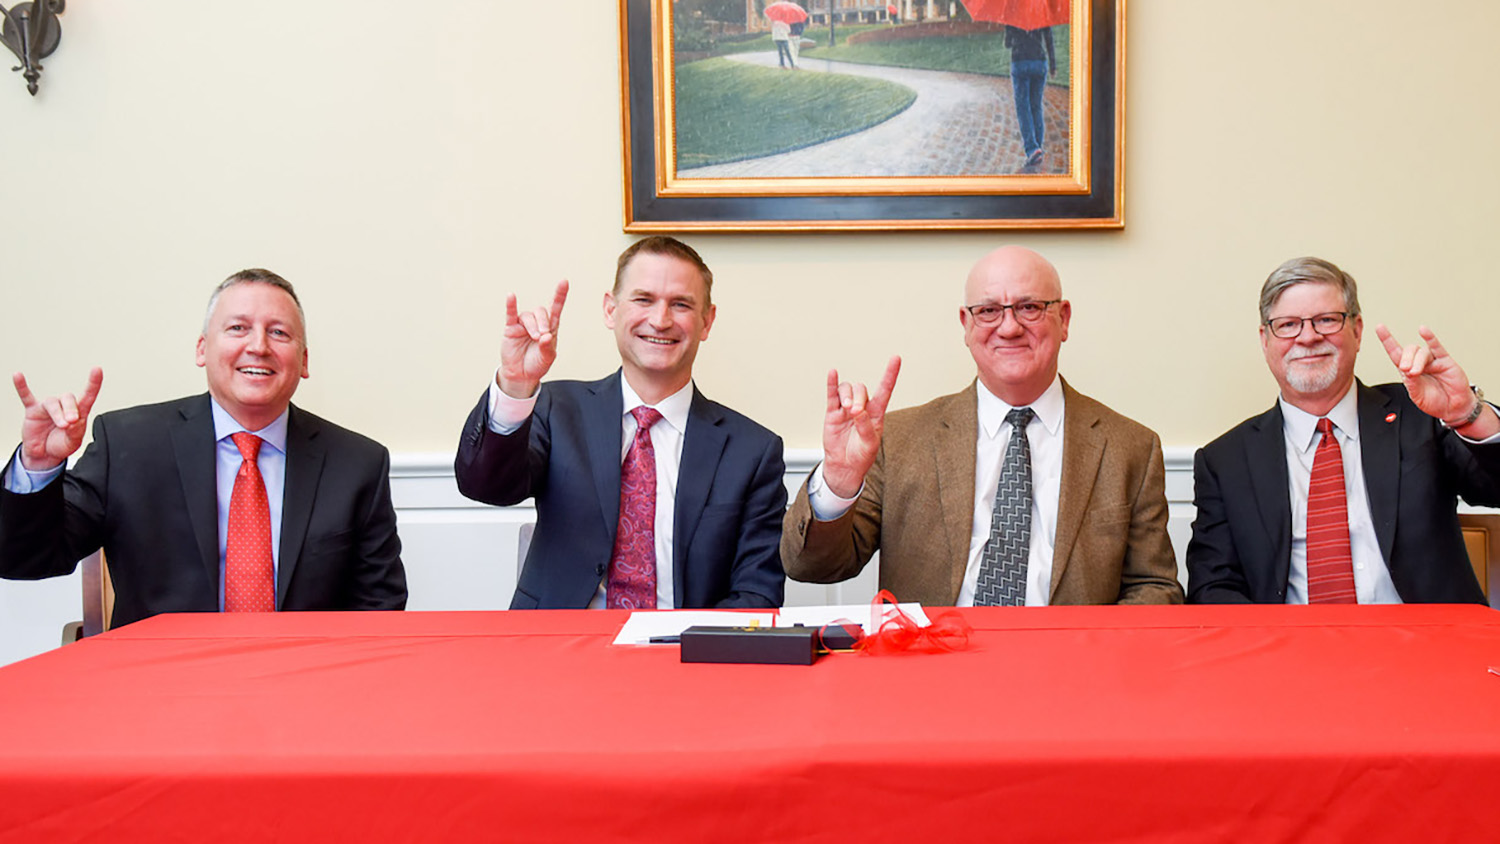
[[1032, 59], [781, 33]]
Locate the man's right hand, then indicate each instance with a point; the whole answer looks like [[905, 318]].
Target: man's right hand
[[528, 345], [852, 427], [53, 427]]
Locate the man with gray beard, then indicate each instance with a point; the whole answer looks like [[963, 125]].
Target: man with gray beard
[[1342, 493]]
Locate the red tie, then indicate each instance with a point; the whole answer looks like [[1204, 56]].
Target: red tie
[[1330, 572], [632, 566], [249, 575]]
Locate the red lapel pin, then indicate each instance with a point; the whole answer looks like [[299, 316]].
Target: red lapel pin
[[1390, 417]]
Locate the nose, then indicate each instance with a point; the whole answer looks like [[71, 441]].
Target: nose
[[1307, 336], [258, 343], [661, 315], [1009, 325]]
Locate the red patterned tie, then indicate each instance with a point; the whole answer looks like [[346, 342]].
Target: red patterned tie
[[632, 566], [249, 576], [1330, 572]]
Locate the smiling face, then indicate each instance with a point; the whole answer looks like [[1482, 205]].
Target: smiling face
[[1017, 361], [659, 314], [1313, 370], [254, 348]]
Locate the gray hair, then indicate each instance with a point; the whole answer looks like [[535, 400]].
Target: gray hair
[[256, 276], [1306, 271]]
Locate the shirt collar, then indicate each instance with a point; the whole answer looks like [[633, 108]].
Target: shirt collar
[[1301, 427], [273, 434], [1048, 408], [673, 408]]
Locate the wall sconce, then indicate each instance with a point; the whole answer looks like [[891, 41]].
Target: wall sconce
[[31, 31]]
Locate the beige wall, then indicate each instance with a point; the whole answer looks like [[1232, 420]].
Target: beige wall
[[408, 165]]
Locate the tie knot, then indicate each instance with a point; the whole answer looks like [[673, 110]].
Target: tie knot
[[1020, 417], [645, 417], [1325, 427], [248, 444]]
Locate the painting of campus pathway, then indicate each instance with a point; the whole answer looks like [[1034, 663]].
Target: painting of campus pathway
[[958, 124]]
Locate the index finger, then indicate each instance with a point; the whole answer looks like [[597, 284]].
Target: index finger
[[833, 391], [1392, 348], [512, 316], [91, 391], [28, 400], [882, 395], [558, 298]]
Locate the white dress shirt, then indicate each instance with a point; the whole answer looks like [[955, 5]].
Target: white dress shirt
[[1372, 579], [1044, 435], [508, 414]]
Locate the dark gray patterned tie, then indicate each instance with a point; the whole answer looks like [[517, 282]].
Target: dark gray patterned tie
[[1002, 564]]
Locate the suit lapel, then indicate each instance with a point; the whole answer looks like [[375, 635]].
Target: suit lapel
[[1265, 464], [1083, 451], [194, 446], [953, 454], [601, 431], [1380, 457], [304, 466], [702, 445]]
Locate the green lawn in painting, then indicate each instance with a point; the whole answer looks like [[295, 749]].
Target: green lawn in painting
[[728, 111]]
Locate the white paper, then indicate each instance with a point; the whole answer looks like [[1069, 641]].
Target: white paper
[[642, 625], [857, 613]]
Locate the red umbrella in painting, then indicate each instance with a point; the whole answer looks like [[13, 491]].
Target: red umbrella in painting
[[891, 10], [1021, 14], [786, 12]]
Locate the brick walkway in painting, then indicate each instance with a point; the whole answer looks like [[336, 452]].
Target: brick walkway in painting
[[960, 124]]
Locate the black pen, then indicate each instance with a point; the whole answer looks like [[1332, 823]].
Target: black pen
[[666, 640]]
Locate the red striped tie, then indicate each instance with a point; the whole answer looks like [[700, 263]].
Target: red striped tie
[[1330, 571]]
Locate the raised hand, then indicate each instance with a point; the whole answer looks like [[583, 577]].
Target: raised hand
[[1433, 379], [528, 344], [852, 427], [53, 428]]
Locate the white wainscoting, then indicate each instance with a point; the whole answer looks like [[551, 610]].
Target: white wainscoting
[[461, 555]]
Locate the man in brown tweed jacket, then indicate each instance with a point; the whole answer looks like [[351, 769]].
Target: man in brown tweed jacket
[[919, 486]]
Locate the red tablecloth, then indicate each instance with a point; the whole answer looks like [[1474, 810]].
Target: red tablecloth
[[1152, 724]]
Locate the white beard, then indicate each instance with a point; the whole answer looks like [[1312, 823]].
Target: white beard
[[1305, 380]]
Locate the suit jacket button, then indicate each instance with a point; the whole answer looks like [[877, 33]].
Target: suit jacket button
[[599, 569]]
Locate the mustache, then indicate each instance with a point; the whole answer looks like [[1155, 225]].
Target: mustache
[[1299, 352]]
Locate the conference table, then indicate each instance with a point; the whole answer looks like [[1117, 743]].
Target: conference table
[[1061, 724]]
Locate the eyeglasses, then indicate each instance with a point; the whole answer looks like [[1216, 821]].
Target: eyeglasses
[[1289, 327], [990, 313]]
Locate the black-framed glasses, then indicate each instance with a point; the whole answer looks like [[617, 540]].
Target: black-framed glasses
[[1288, 327], [989, 313]]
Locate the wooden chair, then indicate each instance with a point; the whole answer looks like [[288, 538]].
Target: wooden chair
[[1482, 538], [98, 600]]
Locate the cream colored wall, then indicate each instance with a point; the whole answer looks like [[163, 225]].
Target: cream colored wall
[[407, 165]]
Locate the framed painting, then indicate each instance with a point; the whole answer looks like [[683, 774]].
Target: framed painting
[[748, 115]]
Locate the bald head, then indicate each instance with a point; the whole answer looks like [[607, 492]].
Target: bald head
[[1013, 264], [1015, 350]]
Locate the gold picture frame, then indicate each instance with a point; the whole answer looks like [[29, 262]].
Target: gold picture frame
[[1082, 187]]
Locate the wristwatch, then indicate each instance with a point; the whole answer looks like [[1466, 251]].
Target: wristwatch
[[1472, 415]]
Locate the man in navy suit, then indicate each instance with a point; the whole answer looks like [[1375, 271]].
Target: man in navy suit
[[155, 487], [1408, 452], [706, 527]]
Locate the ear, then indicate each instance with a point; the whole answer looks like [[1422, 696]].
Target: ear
[[304, 362], [1265, 337], [708, 321], [202, 358], [1065, 314], [609, 310], [1359, 330]]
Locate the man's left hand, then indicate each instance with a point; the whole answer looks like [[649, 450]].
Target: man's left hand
[[1434, 380]]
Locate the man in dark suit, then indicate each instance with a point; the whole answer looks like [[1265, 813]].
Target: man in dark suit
[[160, 485], [648, 495], [933, 487], [1382, 526]]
